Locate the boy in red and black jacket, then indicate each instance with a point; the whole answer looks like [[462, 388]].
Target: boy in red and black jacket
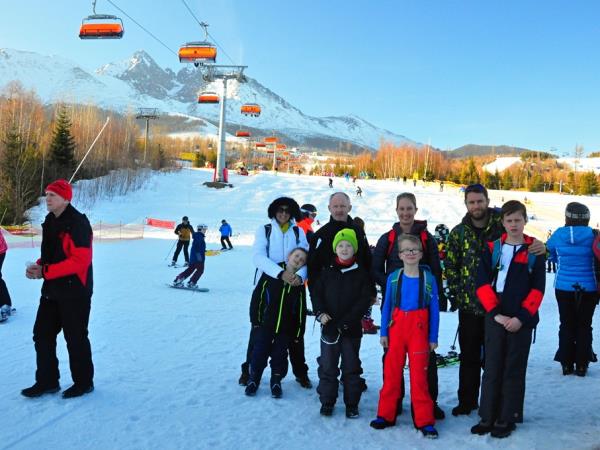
[[510, 286]]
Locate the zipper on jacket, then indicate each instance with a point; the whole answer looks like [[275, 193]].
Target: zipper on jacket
[[281, 308]]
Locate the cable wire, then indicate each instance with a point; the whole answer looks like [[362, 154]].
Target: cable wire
[[144, 28], [210, 35]]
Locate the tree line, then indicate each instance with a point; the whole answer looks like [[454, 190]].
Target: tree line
[[40, 143], [537, 172]]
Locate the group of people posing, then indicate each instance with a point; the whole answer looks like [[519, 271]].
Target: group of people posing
[[495, 277]]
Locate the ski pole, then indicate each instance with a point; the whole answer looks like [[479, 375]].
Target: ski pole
[[170, 250], [453, 346]]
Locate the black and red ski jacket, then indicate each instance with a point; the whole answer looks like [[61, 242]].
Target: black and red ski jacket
[[67, 255], [523, 289]]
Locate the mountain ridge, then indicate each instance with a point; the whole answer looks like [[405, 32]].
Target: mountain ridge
[[139, 81]]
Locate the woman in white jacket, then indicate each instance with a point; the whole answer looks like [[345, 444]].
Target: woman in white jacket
[[273, 242]]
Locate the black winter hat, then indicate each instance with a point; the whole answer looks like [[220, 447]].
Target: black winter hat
[[307, 209], [185, 218], [285, 201], [577, 211]]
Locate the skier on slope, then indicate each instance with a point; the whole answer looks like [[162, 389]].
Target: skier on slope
[[184, 230], [197, 257]]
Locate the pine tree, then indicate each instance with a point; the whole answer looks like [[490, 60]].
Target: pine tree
[[507, 180], [588, 184], [18, 177], [62, 147], [469, 174]]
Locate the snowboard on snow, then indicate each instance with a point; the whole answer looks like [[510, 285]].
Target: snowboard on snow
[[451, 359], [184, 287]]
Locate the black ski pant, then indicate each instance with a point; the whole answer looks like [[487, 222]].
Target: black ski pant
[[4, 295], [71, 315], [225, 239], [348, 349], [471, 333], [180, 245], [268, 344], [296, 350], [503, 383], [432, 377], [575, 333]]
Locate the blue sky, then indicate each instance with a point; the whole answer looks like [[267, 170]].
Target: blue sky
[[522, 73]]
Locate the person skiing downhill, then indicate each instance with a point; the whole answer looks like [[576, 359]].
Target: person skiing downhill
[[198, 255], [226, 233]]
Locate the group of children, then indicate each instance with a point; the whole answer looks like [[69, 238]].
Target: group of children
[[510, 287]]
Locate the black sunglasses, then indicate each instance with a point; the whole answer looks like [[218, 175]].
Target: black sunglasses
[[283, 209]]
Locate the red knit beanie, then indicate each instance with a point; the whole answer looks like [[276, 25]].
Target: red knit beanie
[[62, 188]]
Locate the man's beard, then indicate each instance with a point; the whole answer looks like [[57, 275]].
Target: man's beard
[[479, 214]]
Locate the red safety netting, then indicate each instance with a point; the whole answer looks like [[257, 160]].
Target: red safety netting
[[102, 232], [170, 224]]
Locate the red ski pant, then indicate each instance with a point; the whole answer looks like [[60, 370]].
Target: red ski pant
[[408, 334]]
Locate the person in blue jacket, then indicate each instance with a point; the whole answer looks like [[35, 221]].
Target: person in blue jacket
[[197, 256], [576, 289], [226, 233]]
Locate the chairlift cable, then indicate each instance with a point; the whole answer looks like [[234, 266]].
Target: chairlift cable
[[143, 28], [203, 25]]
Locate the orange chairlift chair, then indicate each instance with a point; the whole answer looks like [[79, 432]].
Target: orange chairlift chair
[[101, 26], [199, 52], [208, 98], [251, 109]]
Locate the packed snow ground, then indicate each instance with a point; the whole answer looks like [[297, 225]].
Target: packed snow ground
[[167, 361]]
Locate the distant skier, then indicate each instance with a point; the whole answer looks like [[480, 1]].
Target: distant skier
[[551, 264], [442, 186], [5, 301], [184, 230], [226, 233], [331, 183], [358, 191], [196, 266]]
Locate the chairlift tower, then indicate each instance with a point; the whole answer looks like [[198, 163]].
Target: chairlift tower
[[211, 73], [148, 114]]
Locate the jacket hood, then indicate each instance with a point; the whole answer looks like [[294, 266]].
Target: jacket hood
[[417, 227], [575, 235]]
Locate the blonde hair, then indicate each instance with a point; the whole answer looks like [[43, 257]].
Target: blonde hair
[[410, 238]]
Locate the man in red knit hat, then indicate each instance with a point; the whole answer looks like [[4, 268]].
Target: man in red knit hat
[[66, 267]]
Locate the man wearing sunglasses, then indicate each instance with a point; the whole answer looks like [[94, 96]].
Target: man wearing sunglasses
[[465, 245]]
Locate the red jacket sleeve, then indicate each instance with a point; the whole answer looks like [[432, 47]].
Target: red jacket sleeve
[[77, 262], [483, 284]]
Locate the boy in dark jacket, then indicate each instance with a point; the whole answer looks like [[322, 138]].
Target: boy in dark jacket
[[510, 286], [278, 314], [196, 266], [340, 296]]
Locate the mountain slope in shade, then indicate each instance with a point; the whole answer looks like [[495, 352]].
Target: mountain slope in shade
[[140, 82]]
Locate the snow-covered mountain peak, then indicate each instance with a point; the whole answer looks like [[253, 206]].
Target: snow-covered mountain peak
[[139, 81]]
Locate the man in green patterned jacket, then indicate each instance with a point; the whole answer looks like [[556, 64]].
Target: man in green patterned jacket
[[465, 245]]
